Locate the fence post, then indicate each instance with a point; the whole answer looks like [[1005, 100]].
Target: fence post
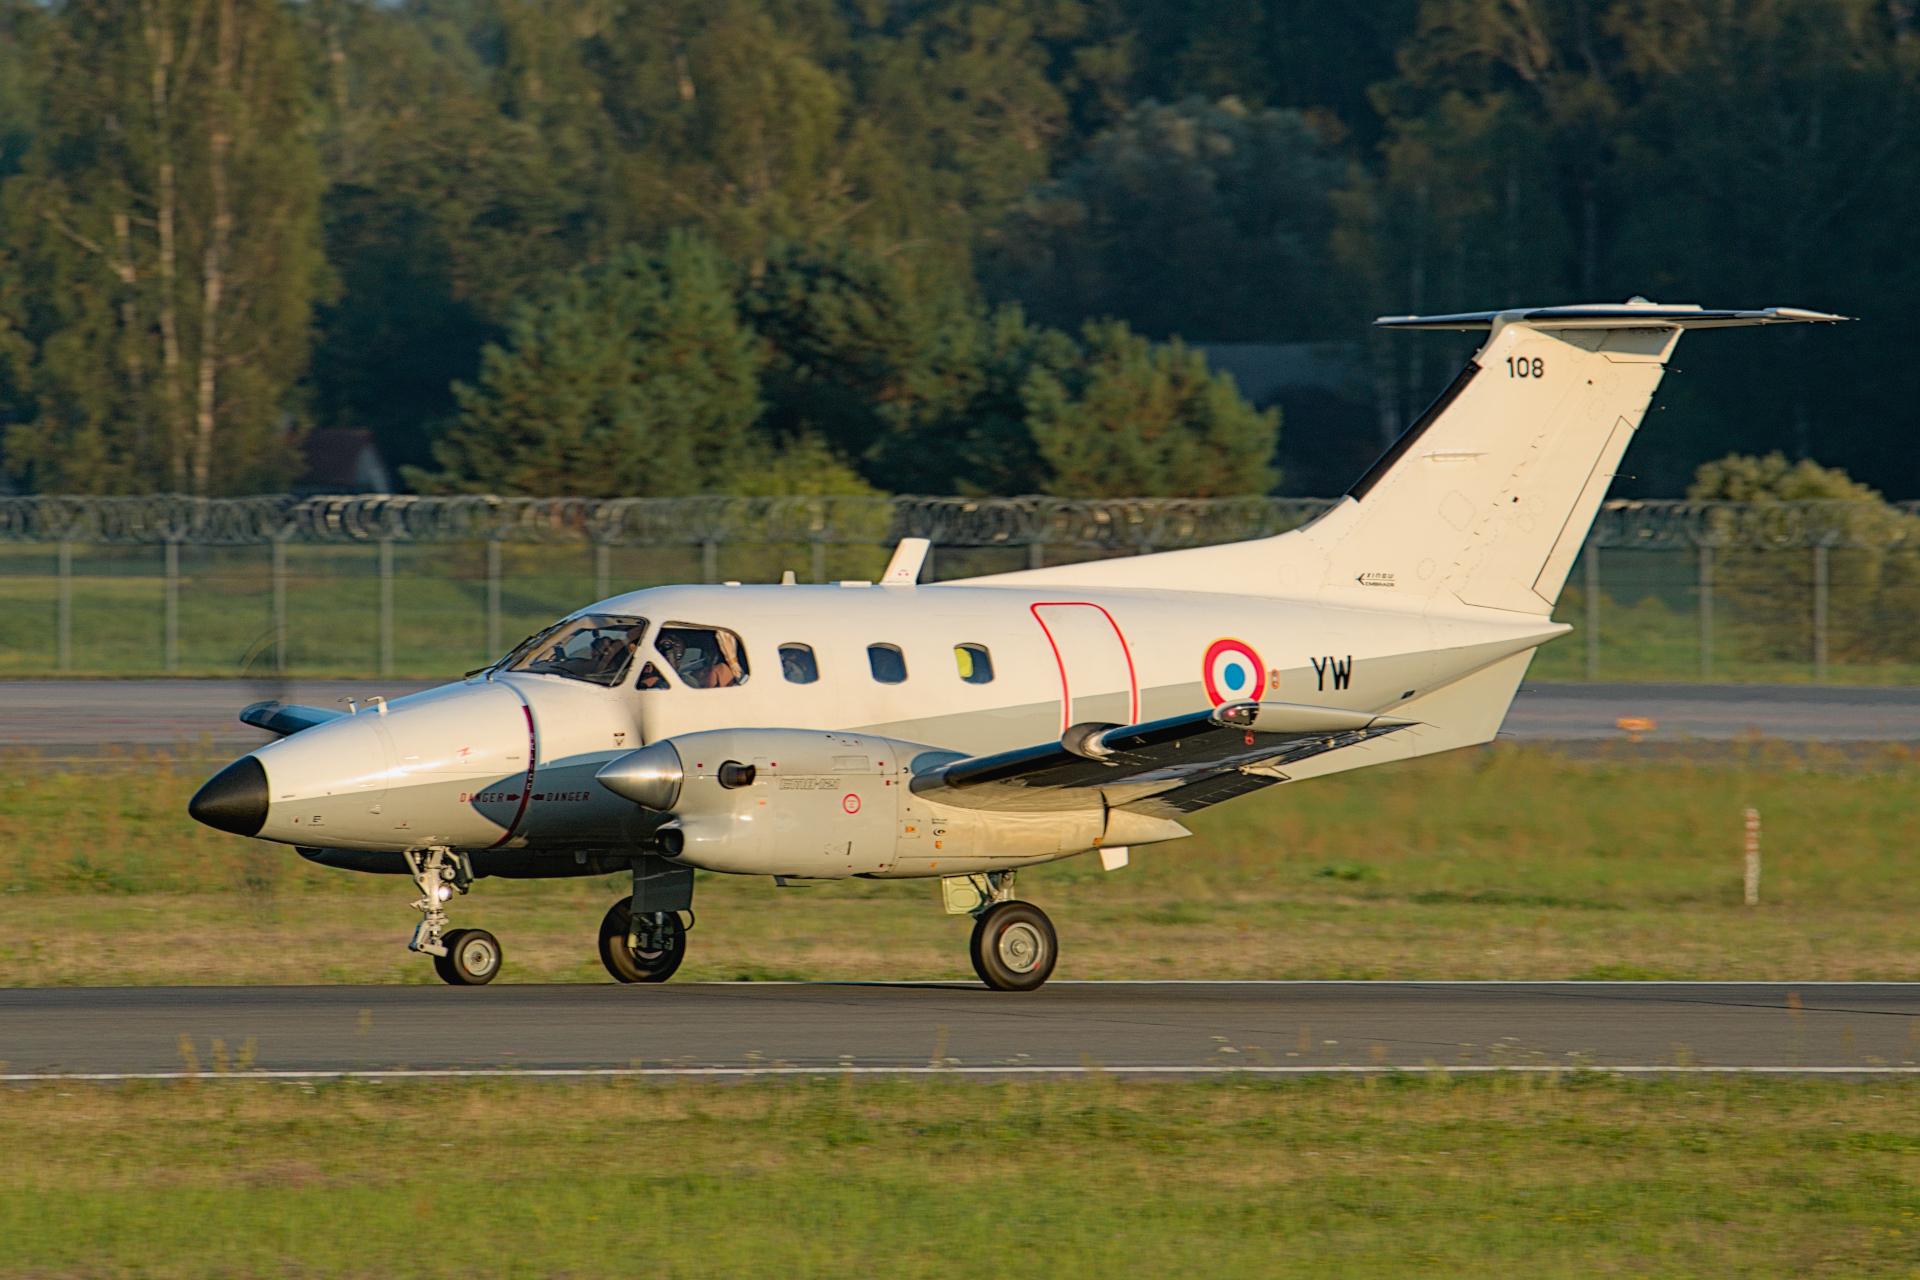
[[279, 604], [63, 618], [493, 598], [819, 561], [1706, 613], [710, 561], [1820, 611], [172, 647], [1036, 555], [386, 606], [602, 570], [1593, 611]]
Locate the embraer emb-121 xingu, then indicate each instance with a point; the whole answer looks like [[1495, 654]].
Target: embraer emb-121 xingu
[[963, 730]]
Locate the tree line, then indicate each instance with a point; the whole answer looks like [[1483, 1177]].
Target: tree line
[[653, 246]]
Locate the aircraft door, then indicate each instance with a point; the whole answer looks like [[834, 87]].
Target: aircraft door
[[1097, 679]]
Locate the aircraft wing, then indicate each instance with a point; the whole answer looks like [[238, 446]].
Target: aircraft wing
[[1179, 764], [286, 718]]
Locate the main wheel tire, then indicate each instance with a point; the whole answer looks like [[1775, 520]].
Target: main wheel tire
[[1014, 947], [628, 965], [473, 958]]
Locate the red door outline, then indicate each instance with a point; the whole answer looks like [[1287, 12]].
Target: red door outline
[[1059, 660]]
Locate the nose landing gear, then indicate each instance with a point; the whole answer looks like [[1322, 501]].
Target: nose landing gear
[[464, 957]]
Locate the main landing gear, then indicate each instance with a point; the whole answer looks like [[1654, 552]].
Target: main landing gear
[[1014, 947], [642, 938], [647, 949], [462, 957]]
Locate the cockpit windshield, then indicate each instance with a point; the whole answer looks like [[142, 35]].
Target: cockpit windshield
[[597, 648]]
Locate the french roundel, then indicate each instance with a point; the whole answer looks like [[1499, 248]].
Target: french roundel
[[1233, 672]]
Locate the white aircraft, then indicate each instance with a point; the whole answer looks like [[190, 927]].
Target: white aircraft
[[963, 730]]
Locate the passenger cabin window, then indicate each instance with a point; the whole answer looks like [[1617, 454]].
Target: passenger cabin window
[[976, 664], [703, 657], [888, 663], [797, 664], [597, 648]]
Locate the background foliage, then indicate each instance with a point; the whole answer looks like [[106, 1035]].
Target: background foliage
[[229, 220]]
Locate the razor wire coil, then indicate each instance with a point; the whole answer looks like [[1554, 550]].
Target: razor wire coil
[[1108, 524]]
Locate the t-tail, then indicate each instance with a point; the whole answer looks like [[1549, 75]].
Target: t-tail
[[1488, 496]]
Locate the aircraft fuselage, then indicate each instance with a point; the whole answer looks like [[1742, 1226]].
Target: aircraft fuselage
[[506, 761]]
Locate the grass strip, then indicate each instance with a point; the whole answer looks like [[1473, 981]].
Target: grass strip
[[1419, 1174], [1505, 863]]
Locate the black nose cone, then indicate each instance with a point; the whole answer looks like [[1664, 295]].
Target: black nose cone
[[234, 799]]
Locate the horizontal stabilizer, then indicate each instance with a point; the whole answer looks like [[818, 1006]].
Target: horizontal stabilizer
[[1613, 315], [1241, 744], [286, 718]]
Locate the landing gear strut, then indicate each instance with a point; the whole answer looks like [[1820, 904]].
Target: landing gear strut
[[464, 957]]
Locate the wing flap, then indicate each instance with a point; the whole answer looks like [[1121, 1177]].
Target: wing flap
[[1193, 760]]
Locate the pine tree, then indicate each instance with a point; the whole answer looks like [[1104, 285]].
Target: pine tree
[[167, 245], [1135, 419], [634, 378]]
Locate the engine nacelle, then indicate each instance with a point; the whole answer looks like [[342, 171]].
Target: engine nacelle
[[817, 805]]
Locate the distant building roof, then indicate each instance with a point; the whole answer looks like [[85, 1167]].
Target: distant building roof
[[344, 460]]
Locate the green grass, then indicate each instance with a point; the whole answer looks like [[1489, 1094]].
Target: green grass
[[1417, 1175], [1503, 863]]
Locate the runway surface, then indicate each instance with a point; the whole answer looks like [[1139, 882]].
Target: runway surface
[[1573, 712], [1147, 1026], [80, 717]]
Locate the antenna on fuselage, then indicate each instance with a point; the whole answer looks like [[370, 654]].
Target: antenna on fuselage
[[904, 569]]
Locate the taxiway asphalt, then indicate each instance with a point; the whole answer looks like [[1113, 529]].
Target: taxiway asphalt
[[1147, 1026]]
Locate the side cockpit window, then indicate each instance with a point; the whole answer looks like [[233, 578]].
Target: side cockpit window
[[703, 657], [797, 663], [596, 647]]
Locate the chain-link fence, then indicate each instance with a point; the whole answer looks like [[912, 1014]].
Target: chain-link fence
[[429, 587]]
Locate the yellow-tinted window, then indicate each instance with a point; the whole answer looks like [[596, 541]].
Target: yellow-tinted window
[[976, 664]]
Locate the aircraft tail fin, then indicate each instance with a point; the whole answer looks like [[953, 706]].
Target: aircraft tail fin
[[1490, 493]]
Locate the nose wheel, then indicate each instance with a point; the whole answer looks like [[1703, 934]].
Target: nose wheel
[[472, 960], [1014, 946]]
